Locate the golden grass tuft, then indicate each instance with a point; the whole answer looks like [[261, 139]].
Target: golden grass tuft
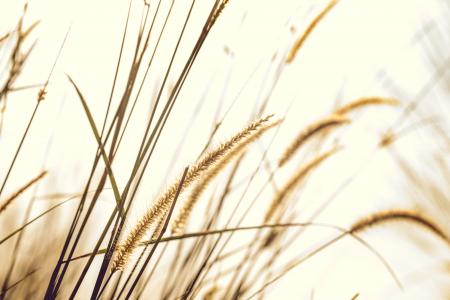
[[162, 204], [362, 102], [311, 130], [293, 182], [180, 221], [11, 198], [301, 40]]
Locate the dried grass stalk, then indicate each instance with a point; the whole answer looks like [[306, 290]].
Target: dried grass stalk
[[397, 215], [310, 131], [162, 204], [362, 102], [185, 211], [295, 180], [11, 198], [299, 42]]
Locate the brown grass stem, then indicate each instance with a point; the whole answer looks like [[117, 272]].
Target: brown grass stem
[[309, 132]]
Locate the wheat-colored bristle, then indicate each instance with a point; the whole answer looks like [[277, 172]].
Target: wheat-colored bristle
[[158, 229], [309, 132]]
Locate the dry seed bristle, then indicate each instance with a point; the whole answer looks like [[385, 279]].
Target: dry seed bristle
[[299, 42], [397, 215], [362, 102], [295, 180], [24, 34], [310, 131], [185, 211], [41, 94], [387, 139], [158, 229], [162, 204], [4, 37], [11, 198]]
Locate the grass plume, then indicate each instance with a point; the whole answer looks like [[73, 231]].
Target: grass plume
[[381, 217], [293, 182], [162, 204], [301, 39], [180, 221], [313, 129], [362, 102]]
